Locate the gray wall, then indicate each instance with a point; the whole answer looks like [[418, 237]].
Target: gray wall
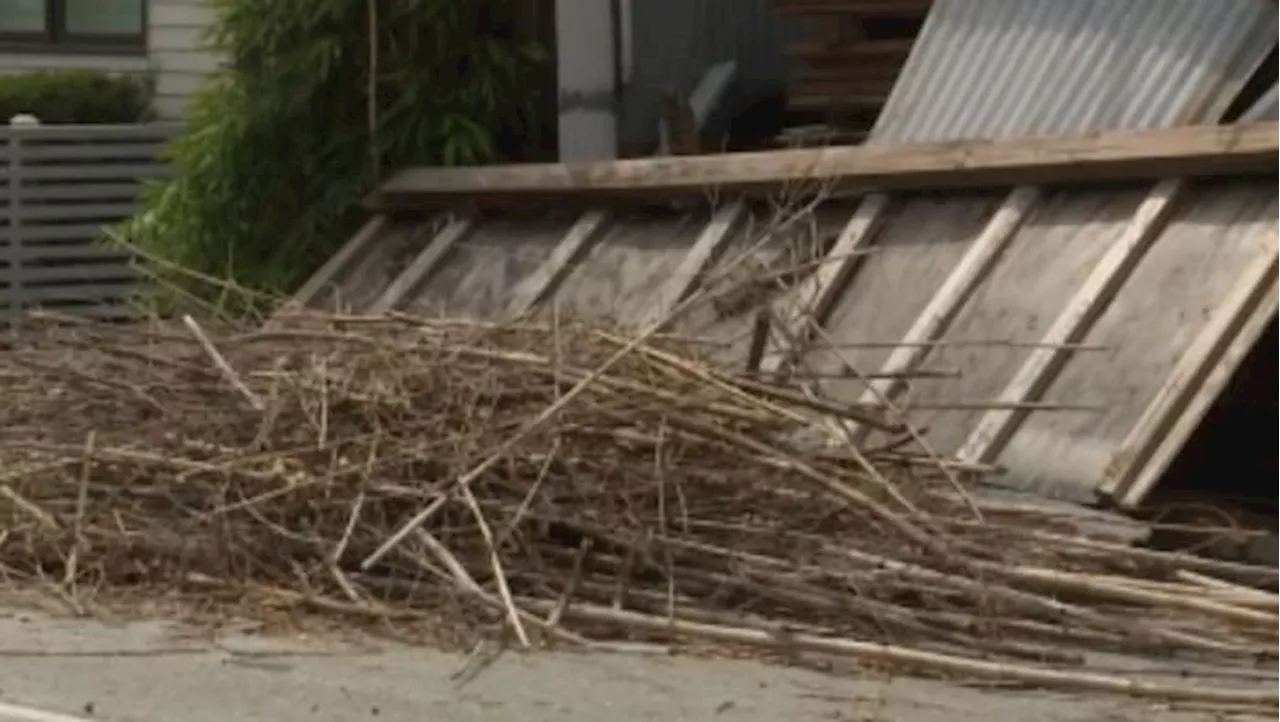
[[674, 41], [59, 186], [586, 76], [173, 52]]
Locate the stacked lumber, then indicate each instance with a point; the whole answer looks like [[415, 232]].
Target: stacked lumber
[[850, 56], [570, 486]]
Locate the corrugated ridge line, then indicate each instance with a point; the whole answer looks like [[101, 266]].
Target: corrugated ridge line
[[1008, 68]]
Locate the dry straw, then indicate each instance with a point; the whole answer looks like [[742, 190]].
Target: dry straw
[[668, 500]]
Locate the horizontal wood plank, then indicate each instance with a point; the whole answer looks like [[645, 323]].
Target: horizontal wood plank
[[1128, 155]]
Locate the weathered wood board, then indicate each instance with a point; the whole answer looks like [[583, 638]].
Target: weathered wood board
[[622, 272], [1219, 232], [919, 243], [1045, 262], [477, 278]]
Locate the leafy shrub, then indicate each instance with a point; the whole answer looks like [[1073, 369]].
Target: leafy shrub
[[278, 150], [76, 96]]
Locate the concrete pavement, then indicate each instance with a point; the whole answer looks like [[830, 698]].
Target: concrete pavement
[[152, 672]]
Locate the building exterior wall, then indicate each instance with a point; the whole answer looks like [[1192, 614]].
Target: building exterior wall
[[177, 51], [660, 43], [174, 53]]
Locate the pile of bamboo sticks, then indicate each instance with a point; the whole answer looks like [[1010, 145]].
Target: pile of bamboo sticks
[[569, 486]]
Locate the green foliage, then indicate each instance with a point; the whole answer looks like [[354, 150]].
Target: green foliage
[[76, 96], [278, 150]]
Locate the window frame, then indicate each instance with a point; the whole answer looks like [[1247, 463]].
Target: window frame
[[55, 39]]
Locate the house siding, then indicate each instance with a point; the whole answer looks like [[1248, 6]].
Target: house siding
[[174, 52], [177, 49]]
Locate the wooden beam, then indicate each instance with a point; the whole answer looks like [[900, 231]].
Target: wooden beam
[[718, 232], [337, 263], [1127, 155], [941, 310], [1194, 384], [996, 427], [543, 281], [423, 264], [810, 302]]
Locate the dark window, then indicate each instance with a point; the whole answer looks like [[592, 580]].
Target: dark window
[[74, 24]]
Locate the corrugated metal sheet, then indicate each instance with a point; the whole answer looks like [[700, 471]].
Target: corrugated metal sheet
[[1267, 107], [674, 41], [1008, 68]]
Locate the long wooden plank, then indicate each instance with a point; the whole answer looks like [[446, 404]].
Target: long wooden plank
[[422, 265], [995, 428], [1134, 155], [718, 232], [306, 295], [1204, 369], [938, 314], [537, 285], [812, 300]]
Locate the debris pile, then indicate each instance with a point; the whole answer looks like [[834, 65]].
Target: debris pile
[[572, 487]]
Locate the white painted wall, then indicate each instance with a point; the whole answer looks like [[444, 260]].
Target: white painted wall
[[176, 49], [174, 52]]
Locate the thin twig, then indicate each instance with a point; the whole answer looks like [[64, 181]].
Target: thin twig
[[221, 363]]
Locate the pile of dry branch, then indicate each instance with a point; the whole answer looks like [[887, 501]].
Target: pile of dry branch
[[509, 478]]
